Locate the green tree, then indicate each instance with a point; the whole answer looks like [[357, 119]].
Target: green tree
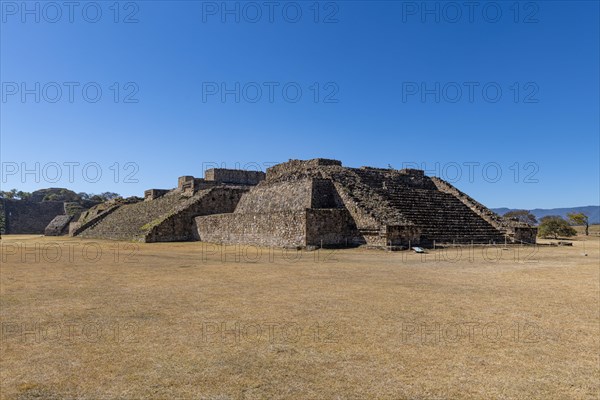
[[10, 194], [110, 195], [555, 226], [23, 195], [522, 216], [2, 217], [580, 219]]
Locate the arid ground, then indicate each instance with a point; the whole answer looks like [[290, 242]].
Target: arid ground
[[116, 320]]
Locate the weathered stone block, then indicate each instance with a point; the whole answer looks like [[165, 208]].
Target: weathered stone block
[[58, 226], [234, 176]]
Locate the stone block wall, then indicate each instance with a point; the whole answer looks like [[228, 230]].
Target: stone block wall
[[524, 234], [22, 217], [402, 236], [130, 221], [165, 219], [190, 185], [91, 218], [152, 194], [177, 225], [300, 168], [291, 228], [234, 176], [281, 228], [325, 195], [58, 226], [361, 215], [278, 196], [331, 227], [380, 178]]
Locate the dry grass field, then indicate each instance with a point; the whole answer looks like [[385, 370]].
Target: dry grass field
[[115, 320]]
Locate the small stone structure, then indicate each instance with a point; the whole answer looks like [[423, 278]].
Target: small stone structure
[[309, 203], [58, 226], [189, 185], [153, 194]]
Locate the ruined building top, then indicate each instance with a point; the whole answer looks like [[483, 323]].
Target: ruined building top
[[219, 176], [322, 167]]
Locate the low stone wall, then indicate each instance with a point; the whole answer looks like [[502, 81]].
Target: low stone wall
[[281, 229]]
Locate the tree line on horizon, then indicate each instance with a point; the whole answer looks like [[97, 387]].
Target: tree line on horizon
[[552, 226], [57, 195]]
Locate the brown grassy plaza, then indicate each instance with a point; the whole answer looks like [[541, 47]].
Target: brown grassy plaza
[[96, 319]]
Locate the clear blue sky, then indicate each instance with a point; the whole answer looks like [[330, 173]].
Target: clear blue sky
[[369, 63]]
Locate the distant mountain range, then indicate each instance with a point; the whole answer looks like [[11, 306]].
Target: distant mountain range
[[593, 212]]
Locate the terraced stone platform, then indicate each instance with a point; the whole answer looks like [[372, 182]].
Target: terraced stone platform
[[307, 204], [165, 219], [376, 207]]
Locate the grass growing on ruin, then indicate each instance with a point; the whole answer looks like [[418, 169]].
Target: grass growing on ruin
[[100, 319]]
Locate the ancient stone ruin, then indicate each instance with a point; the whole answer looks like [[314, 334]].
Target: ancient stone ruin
[[167, 215], [48, 211], [304, 204]]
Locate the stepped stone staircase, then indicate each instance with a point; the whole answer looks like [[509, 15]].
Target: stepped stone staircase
[[381, 200], [130, 221], [441, 216]]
